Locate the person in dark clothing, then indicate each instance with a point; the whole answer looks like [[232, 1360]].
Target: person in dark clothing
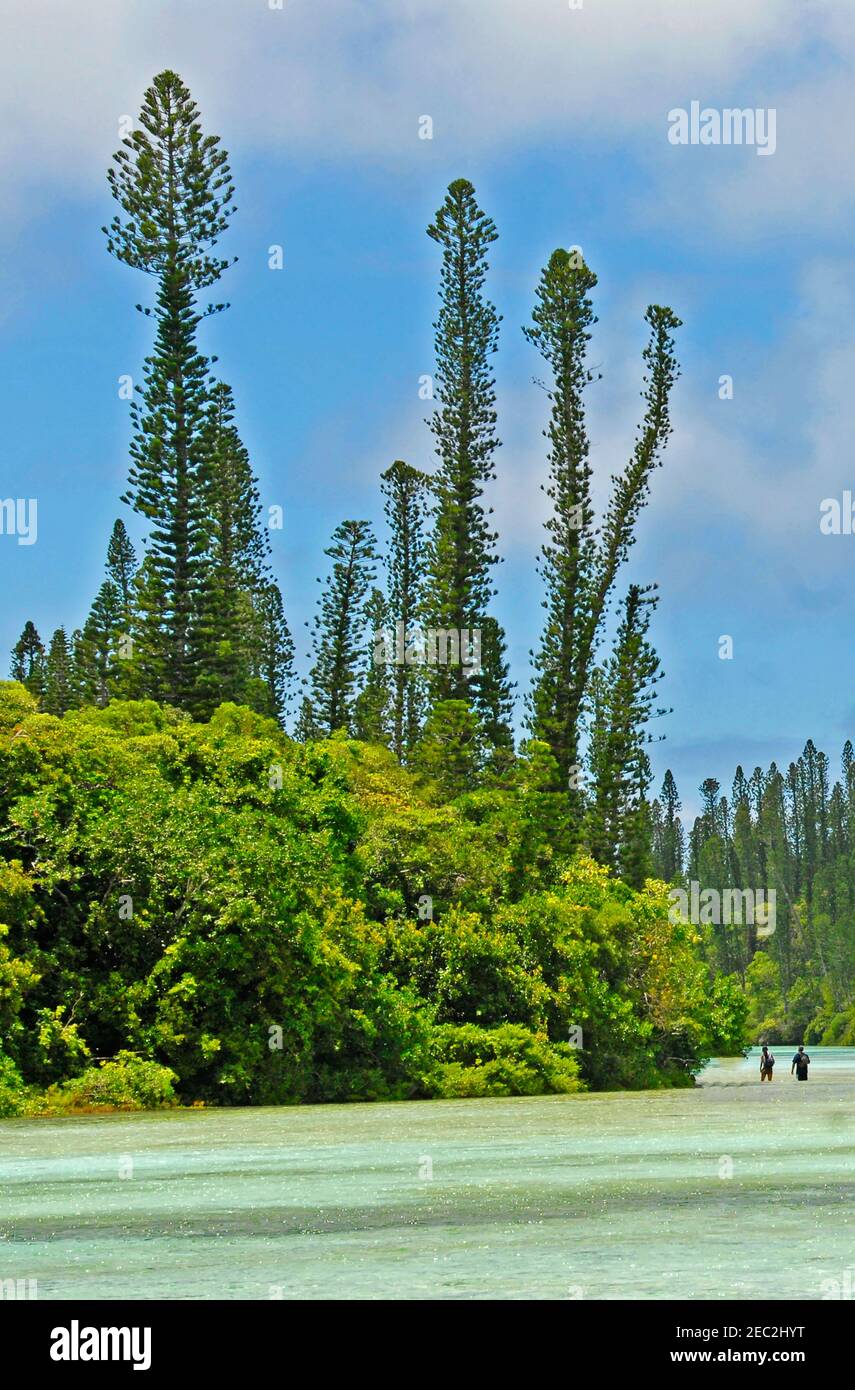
[[767, 1062], [801, 1062]]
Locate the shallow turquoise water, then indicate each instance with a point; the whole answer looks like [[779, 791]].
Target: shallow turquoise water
[[721, 1191]]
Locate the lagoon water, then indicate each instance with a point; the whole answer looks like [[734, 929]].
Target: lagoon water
[[723, 1191]]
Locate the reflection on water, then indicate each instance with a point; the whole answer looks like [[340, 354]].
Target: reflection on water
[[720, 1191]]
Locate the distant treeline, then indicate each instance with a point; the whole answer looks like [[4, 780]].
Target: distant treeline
[[792, 832]]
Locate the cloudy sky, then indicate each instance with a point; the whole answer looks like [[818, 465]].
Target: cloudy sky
[[559, 116]]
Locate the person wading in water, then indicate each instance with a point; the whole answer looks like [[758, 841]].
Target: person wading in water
[[801, 1062], [767, 1063]]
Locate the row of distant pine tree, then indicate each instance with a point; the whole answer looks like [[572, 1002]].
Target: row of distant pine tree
[[106, 659], [200, 619], [791, 834], [790, 831]]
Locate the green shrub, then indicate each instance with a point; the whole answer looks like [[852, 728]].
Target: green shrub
[[506, 1061], [279, 923], [840, 1031], [12, 1090], [128, 1083], [726, 1017]]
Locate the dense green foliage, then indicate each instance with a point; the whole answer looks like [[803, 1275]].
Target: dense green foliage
[[504, 1061], [128, 1083], [275, 922], [398, 902]]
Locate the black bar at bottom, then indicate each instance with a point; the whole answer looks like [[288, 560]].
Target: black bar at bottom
[[160, 1340]]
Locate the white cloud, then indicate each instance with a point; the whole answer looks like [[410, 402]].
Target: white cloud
[[349, 78]]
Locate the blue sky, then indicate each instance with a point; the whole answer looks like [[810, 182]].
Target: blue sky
[[560, 119]]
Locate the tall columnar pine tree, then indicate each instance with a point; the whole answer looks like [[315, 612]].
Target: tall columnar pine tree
[[623, 705], [579, 562], [59, 693], [373, 706], [342, 644], [143, 670], [174, 189], [669, 840], [238, 626], [562, 319], [743, 849], [121, 567], [28, 661], [848, 785], [97, 652], [97, 649], [712, 862], [271, 669], [462, 549], [79, 667], [232, 563], [406, 492], [811, 810]]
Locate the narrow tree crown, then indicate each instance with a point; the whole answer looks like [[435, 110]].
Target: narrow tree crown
[[174, 187]]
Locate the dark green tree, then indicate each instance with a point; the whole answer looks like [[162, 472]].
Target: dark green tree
[[59, 676], [669, 847], [579, 563], [562, 319], [451, 751], [491, 686], [121, 567], [373, 707], [272, 655], [624, 703], [79, 668], [28, 661], [233, 595], [144, 661], [97, 653], [174, 189], [462, 549], [340, 646], [405, 491]]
